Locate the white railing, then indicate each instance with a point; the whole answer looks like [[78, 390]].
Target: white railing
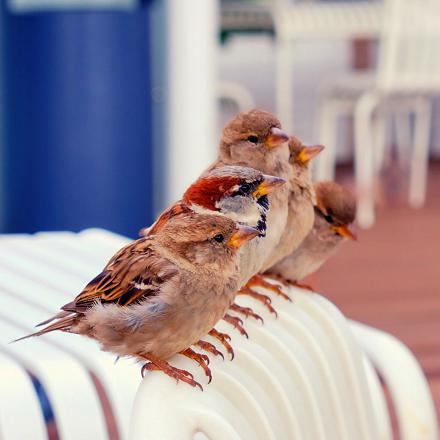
[[309, 374]]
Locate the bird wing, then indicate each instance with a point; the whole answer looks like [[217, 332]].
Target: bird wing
[[135, 272], [176, 209]]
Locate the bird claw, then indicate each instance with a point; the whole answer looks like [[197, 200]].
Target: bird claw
[[300, 285], [264, 299], [152, 367], [224, 339], [187, 374], [205, 358], [226, 336], [246, 311], [237, 323], [156, 364], [149, 366], [258, 280], [201, 359], [207, 346]]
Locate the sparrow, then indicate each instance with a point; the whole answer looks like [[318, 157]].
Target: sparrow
[[335, 210], [241, 194], [301, 200], [255, 139], [161, 293]]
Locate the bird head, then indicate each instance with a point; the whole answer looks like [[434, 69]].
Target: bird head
[[337, 207], [208, 240], [251, 138], [239, 193], [300, 154]]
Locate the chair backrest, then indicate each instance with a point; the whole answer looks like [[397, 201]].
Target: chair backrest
[[409, 56], [303, 375]]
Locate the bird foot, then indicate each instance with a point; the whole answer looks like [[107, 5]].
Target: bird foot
[[224, 339], [264, 299], [210, 348], [237, 323], [246, 311], [156, 364], [279, 279], [300, 285], [258, 280], [201, 359], [288, 283]]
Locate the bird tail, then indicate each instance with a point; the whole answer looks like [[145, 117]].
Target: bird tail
[[59, 315], [63, 323]]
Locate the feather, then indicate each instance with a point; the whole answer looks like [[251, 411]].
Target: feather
[[59, 315], [207, 191], [131, 275], [63, 324], [176, 209]]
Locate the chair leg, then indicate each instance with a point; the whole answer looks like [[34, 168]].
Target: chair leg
[[364, 169], [403, 136], [380, 140], [326, 161], [420, 156]]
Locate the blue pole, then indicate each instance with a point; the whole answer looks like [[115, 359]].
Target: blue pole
[[76, 120]]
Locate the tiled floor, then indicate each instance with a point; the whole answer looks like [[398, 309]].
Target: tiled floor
[[390, 278]]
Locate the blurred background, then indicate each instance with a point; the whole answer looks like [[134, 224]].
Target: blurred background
[[109, 108]]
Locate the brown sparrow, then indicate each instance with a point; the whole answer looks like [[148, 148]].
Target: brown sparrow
[[255, 139], [161, 293], [301, 200], [241, 194], [335, 210]]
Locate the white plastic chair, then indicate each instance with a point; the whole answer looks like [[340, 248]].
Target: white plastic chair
[[35, 281], [296, 21], [303, 376], [306, 375], [408, 74]]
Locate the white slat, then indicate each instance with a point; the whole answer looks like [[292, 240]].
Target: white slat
[[77, 409], [21, 416], [406, 382], [306, 361], [120, 381]]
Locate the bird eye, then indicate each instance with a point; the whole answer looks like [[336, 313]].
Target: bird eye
[[245, 187], [328, 218], [252, 138], [219, 238]]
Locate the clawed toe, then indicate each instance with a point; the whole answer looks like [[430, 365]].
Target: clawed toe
[[156, 364], [301, 285], [207, 346], [246, 311], [258, 280], [201, 359], [224, 339], [264, 299], [237, 323]]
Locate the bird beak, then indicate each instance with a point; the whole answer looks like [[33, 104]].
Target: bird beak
[[276, 138], [242, 235], [344, 231], [267, 186], [308, 153]]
